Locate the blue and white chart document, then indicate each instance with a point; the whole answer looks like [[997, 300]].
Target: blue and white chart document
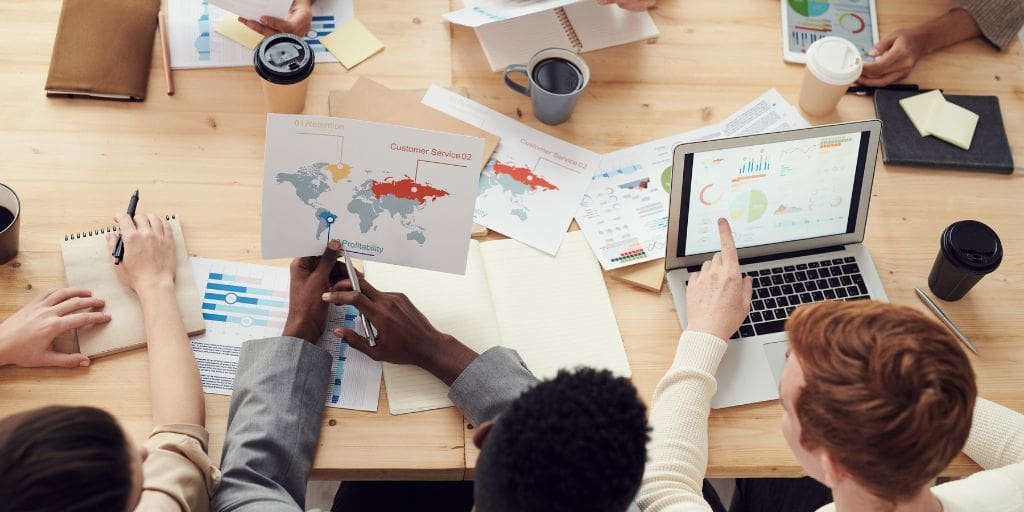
[[391, 194], [195, 44], [243, 302]]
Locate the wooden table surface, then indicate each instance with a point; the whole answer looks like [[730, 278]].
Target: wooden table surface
[[199, 154]]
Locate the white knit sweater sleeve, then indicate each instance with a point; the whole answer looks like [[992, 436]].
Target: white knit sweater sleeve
[[997, 436], [678, 457]]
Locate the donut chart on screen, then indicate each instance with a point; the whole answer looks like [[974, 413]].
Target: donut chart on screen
[[852, 22], [810, 8]]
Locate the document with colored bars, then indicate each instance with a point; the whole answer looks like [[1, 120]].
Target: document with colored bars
[[244, 302], [624, 213], [195, 44]]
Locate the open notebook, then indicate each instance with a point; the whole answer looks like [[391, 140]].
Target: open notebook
[[554, 311], [88, 264], [583, 27]]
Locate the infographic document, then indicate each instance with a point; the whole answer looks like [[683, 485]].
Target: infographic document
[[243, 302], [624, 213], [533, 184], [391, 194], [773, 193]]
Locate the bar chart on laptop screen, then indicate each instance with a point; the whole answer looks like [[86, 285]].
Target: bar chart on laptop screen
[[772, 193]]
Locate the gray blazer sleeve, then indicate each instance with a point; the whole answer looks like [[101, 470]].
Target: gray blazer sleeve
[[490, 383], [273, 425]]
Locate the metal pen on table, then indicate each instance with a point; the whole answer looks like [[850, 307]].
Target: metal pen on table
[[945, 319], [367, 326], [118, 253]]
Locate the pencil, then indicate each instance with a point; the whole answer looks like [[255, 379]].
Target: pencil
[[162, 23]]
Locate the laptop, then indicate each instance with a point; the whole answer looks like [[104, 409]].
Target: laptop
[[797, 202]]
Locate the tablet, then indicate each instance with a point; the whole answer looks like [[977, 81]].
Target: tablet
[[806, 21]]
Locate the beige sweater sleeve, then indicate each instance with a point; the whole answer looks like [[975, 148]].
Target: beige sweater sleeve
[[999, 20], [678, 457], [997, 436], [178, 475]]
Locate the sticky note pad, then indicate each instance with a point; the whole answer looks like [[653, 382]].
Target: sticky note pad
[[234, 30], [953, 124], [919, 108], [352, 43]]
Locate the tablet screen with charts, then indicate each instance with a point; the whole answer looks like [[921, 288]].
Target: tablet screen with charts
[[806, 21]]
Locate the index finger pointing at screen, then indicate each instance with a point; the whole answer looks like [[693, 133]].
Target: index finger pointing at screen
[[728, 244]]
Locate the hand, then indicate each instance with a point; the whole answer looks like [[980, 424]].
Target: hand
[[895, 57], [404, 335], [718, 298], [299, 21], [26, 339], [149, 262], [631, 5], [311, 278]]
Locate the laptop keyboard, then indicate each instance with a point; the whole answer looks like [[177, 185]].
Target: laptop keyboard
[[779, 290]]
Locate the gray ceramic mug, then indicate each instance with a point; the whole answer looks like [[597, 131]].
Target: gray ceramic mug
[[556, 79]]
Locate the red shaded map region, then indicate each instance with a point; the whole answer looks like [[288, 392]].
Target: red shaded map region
[[406, 189], [523, 175]]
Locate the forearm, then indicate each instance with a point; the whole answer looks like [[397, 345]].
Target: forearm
[[175, 389], [679, 419], [273, 425], [490, 384], [997, 435], [998, 20], [946, 30]]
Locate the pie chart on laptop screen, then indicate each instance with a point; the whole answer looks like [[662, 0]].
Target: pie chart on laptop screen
[[811, 8]]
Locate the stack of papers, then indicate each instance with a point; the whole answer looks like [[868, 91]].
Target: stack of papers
[[933, 115]]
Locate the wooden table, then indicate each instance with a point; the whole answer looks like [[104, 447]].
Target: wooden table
[[199, 154]]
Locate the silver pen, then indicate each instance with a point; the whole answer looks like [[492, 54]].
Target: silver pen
[[945, 319], [367, 327]]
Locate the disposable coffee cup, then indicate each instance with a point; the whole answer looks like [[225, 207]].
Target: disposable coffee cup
[[10, 219], [284, 62], [833, 63], [968, 251], [555, 81]]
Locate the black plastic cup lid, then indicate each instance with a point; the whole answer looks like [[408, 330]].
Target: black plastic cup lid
[[973, 245], [283, 59]]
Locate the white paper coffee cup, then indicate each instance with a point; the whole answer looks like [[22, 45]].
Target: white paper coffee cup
[[833, 63]]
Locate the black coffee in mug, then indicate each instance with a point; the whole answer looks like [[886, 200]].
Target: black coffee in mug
[[6, 218], [557, 76]]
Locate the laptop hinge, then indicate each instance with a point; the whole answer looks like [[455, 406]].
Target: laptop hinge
[[781, 256]]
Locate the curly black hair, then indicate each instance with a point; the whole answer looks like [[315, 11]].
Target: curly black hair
[[577, 442]]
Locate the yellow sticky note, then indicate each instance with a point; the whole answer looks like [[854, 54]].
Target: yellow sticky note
[[234, 30], [352, 43], [919, 108], [953, 124]]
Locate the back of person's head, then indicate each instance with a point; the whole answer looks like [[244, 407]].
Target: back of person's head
[[889, 393], [67, 459], [575, 442]]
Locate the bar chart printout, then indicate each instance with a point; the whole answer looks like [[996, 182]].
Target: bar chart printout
[[243, 302]]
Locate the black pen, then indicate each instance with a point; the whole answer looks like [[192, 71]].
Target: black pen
[[864, 90], [118, 253]]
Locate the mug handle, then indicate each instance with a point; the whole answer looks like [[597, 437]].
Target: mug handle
[[516, 68]]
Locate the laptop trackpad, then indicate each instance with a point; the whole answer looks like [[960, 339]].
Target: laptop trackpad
[[776, 354]]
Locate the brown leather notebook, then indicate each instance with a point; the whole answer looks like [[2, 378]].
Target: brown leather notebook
[[103, 49]]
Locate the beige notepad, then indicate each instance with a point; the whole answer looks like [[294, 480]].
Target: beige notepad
[[352, 43], [234, 30], [649, 275], [554, 311], [88, 264]]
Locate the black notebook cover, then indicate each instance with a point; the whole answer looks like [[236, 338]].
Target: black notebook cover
[[902, 144]]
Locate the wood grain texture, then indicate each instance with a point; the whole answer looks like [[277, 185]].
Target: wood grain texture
[[199, 154]]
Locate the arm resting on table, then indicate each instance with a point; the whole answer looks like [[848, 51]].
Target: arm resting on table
[[489, 384], [274, 423], [998, 20], [678, 456]]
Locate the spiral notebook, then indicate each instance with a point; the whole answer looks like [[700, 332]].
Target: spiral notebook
[[583, 27], [88, 264]]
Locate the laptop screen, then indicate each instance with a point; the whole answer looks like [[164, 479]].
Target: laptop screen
[[772, 193]]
